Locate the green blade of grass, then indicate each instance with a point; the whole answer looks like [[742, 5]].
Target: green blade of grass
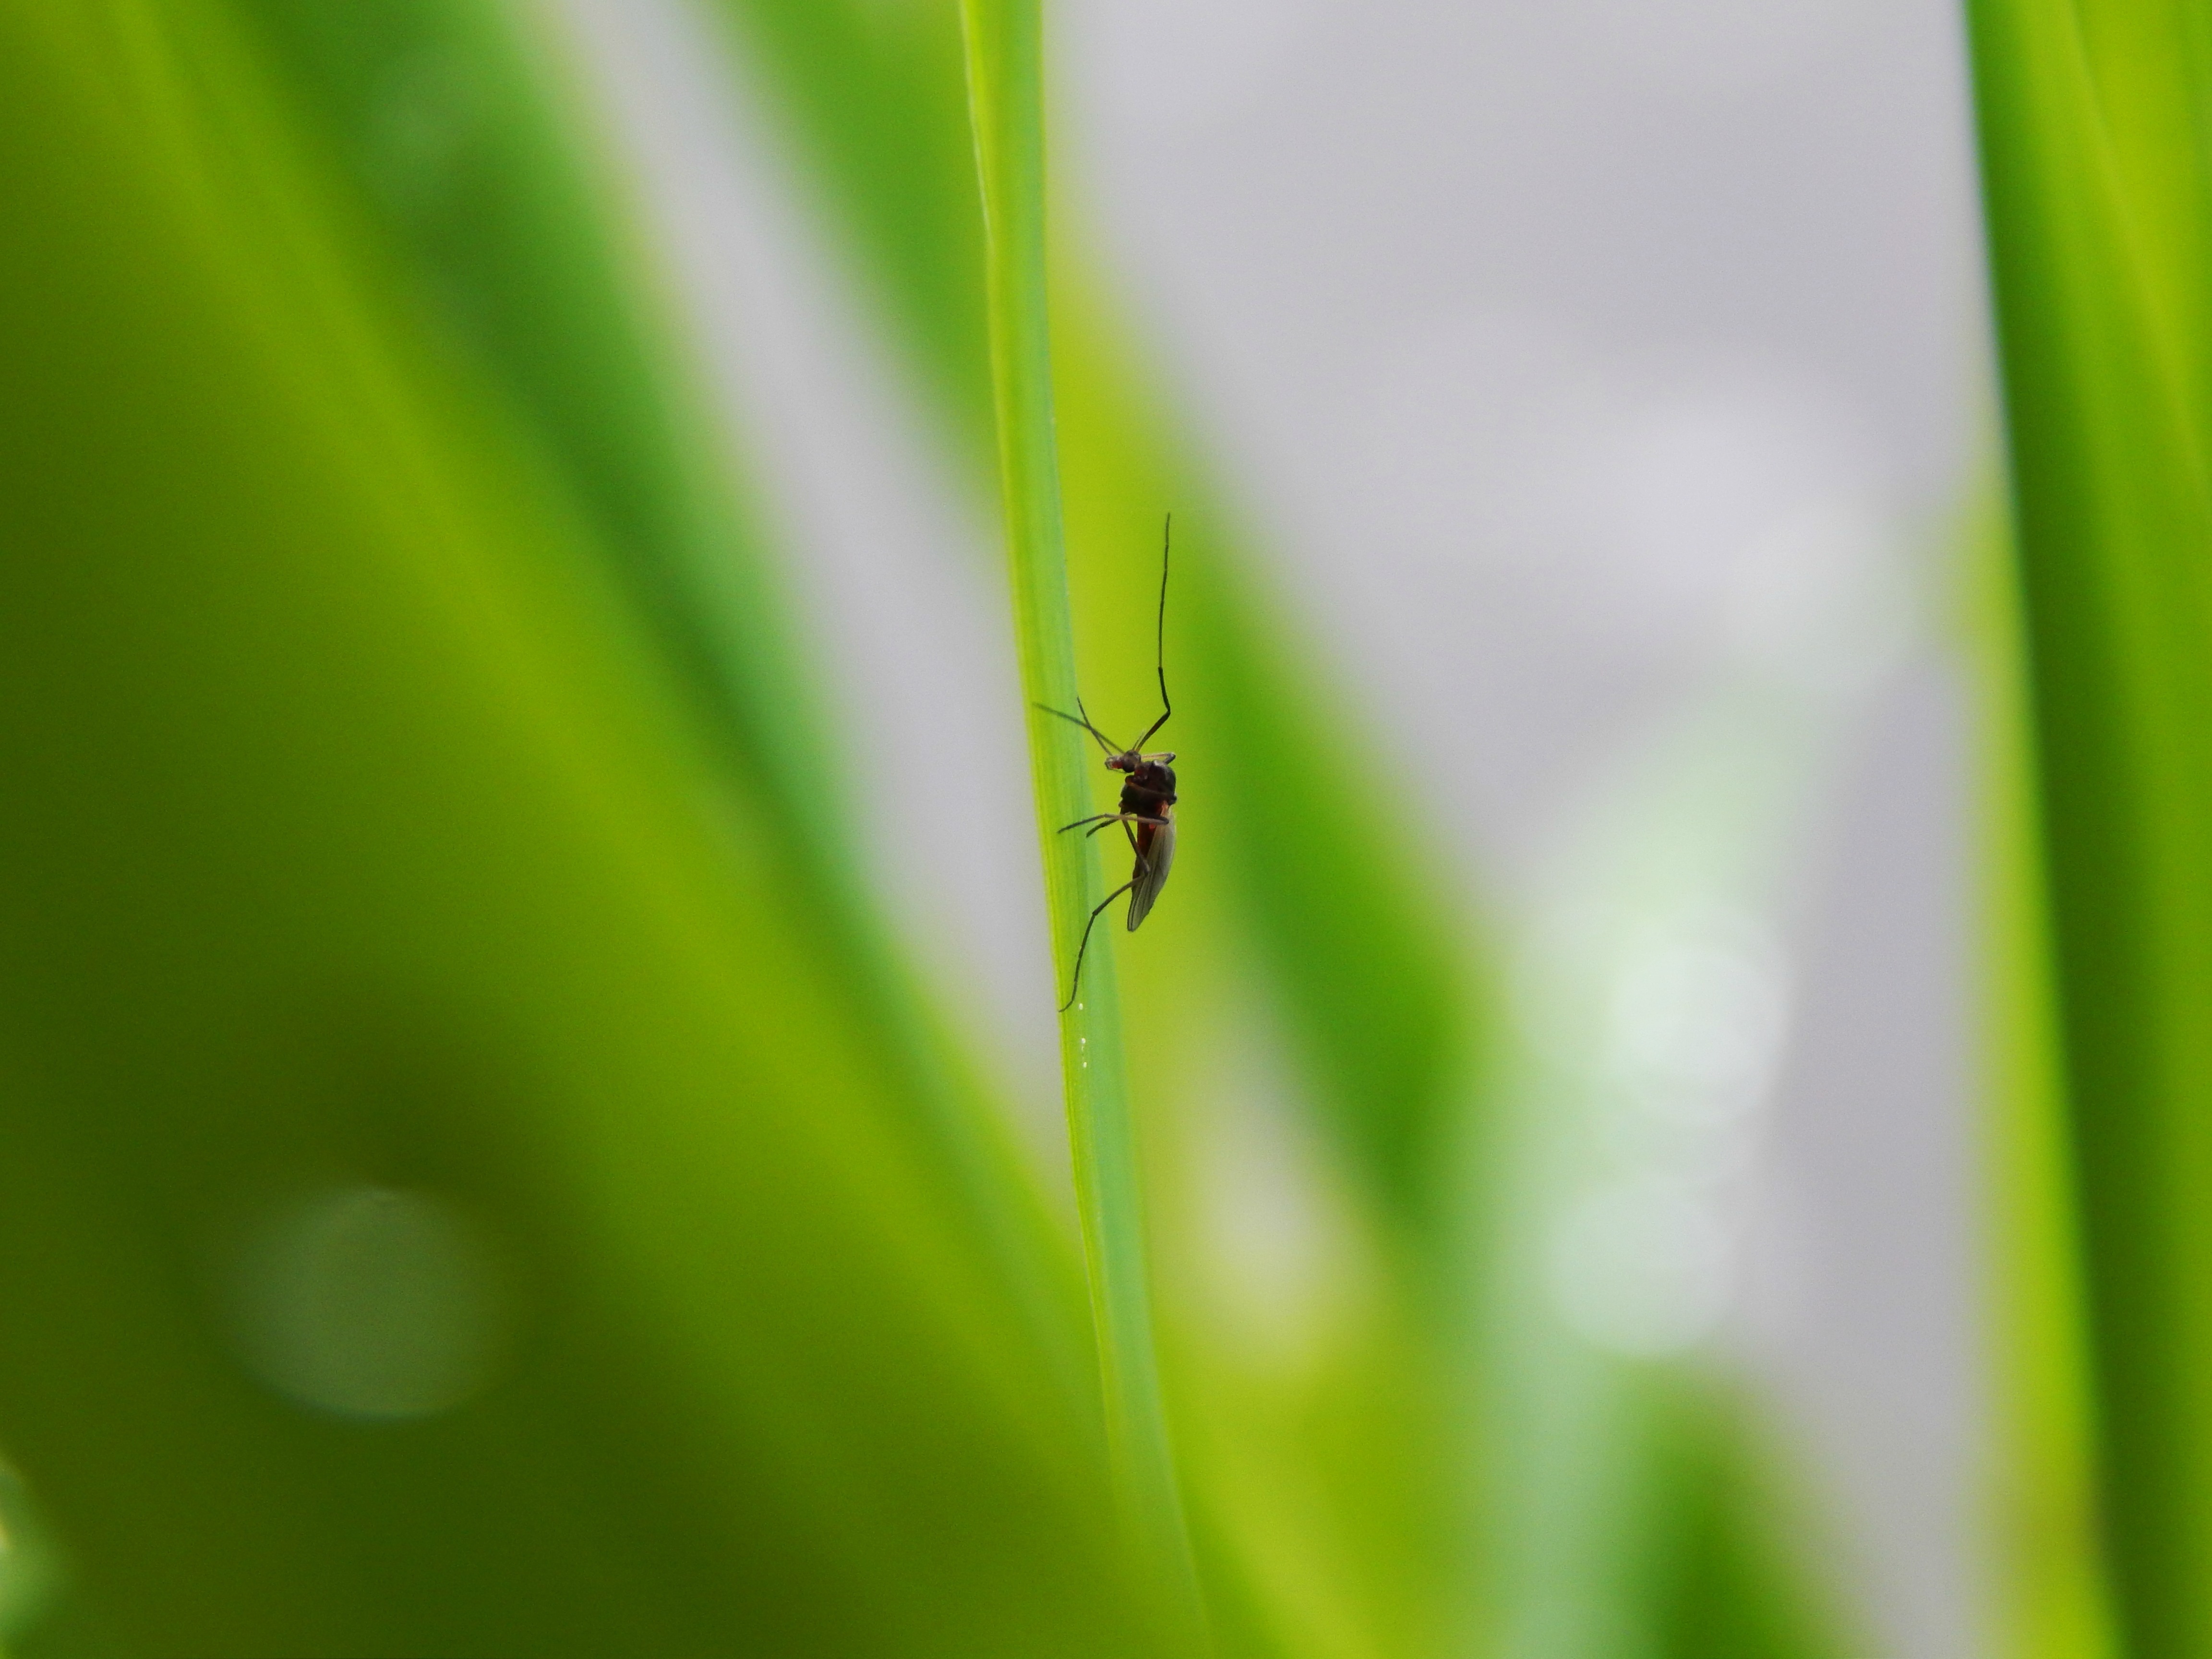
[[2099, 188], [2052, 1594], [1005, 77]]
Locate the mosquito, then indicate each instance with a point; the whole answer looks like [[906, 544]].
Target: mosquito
[[1146, 813]]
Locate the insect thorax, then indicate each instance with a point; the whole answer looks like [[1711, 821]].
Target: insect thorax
[[1151, 787]]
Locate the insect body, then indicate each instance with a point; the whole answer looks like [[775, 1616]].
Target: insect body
[[1146, 813]]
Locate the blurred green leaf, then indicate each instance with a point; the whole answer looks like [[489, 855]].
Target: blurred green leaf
[[466, 150], [2100, 235], [369, 869], [1730, 1562], [2052, 1595]]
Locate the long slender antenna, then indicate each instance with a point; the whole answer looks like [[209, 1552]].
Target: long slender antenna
[[1160, 633], [1112, 748], [1104, 742]]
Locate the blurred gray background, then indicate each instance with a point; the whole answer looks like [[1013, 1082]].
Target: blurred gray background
[[1611, 377]]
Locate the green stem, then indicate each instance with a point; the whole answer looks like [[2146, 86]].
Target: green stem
[[1007, 105]]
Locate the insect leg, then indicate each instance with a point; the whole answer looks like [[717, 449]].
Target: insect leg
[[1077, 983], [1128, 819], [1102, 818]]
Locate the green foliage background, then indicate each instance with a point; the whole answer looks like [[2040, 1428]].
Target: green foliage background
[[415, 785]]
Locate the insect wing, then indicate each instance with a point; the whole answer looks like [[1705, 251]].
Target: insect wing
[[1155, 853]]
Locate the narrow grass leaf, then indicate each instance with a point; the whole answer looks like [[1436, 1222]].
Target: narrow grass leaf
[[1005, 72], [2053, 1598], [2099, 205]]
